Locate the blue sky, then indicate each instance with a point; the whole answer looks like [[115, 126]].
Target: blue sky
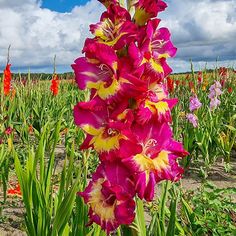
[[203, 30], [62, 5]]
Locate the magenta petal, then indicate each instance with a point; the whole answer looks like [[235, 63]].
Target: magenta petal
[[86, 113], [102, 53], [150, 188], [144, 115], [86, 72], [125, 212], [110, 196], [140, 184]]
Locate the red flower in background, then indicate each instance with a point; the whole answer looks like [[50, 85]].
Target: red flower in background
[[31, 129], [200, 77], [230, 89], [170, 84], [222, 82], [223, 72], [191, 84], [15, 190], [8, 131], [187, 76], [55, 85], [177, 82], [7, 80]]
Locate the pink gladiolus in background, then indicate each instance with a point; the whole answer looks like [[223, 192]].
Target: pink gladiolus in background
[[214, 103], [192, 119], [215, 92], [127, 119], [194, 104]]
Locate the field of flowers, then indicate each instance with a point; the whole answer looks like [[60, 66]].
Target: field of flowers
[[123, 147], [42, 166]]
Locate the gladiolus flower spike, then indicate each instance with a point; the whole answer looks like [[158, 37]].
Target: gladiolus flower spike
[[55, 85], [127, 119], [7, 80]]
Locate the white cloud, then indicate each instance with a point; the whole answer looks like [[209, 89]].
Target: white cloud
[[202, 30], [37, 34]]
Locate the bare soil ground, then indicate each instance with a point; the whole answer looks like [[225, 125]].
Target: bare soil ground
[[13, 211]]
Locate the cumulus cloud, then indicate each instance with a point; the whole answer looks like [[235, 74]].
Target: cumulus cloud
[[37, 34], [203, 30]]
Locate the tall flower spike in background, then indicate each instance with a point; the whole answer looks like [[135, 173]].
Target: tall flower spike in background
[[55, 80], [127, 120], [7, 75]]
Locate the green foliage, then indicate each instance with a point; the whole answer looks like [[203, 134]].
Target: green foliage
[[210, 211], [215, 135]]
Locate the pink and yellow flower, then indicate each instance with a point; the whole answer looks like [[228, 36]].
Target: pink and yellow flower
[[110, 196], [147, 9], [153, 49], [127, 120], [115, 27], [157, 160], [154, 105], [99, 72], [107, 3], [108, 131]]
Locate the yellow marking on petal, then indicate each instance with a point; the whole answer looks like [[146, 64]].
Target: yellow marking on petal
[[93, 85], [156, 66], [123, 80], [144, 162], [93, 61], [108, 32], [115, 65], [160, 107], [99, 33], [98, 204], [122, 115], [147, 164], [164, 55], [158, 90], [111, 42], [107, 144], [105, 92], [161, 161], [147, 176], [144, 61], [91, 130], [141, 16]]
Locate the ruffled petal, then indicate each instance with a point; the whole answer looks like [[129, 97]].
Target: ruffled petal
[[110, 196]]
